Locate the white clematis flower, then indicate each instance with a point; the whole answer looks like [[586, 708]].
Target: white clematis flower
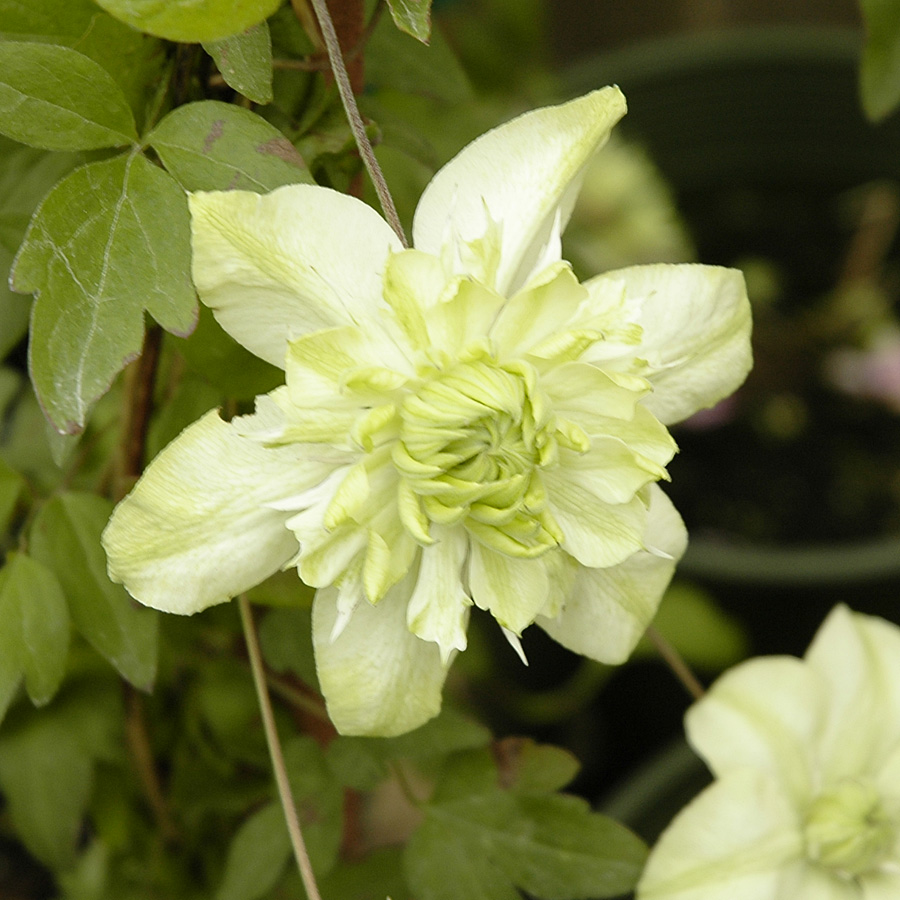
[[806, 753], [463, 422]]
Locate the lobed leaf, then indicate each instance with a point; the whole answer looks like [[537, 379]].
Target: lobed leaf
[[191, 21], [245, 62], [213, 146], [526, 766], [362, 763], [413, 17], [65, 537], [55, 98], [378, 875], [34, 638], [551, 846], [109, 241], [26, 175]]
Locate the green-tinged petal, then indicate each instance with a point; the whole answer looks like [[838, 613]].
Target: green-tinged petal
[[524, 176], [884, 885], [766, 714], [276, 266], [538, 312], [377, 677], [439, 607], [610, 470], [580, 392], [463, 317], [857, 659], [596, 533], [607, 610], [512, 589], [696, 332], [803, 881], [730, 843], [324, 365], [413, 283], [278, 421], [642, 433], [196, 529]]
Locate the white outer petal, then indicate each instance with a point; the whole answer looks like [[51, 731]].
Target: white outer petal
[[607, 610], [857, 659], [377, 678], [765, 713], [732, 842], [525, 175], [273, 267], [696, 340], [196, 530]]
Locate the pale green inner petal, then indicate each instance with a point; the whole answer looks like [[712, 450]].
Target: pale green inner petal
[[439, 606]]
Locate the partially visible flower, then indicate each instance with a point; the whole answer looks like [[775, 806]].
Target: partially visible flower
[[463, 423], [806, 753], [872, 373]]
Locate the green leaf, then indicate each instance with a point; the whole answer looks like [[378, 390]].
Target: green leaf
[[66, 537], [529, 767], [189, 401], [285, 637], [699, 630], [257, 855], [136, 61], [362, 762], [35, 635], [319, 799], [413, 17], [879, 75], [261, 847], [45, 19], [551, 846], [191, 21], [26, 175], [212, 146], [56, 98], [109, 241], [46, 765], [396, 62], [245, 62], [12, 487], [377, 876], [219, 359]]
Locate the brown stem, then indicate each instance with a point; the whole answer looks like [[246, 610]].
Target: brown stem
[[142, 756], [140, 382], [139, 405], [357, 126], [676, 663], [281, 777]]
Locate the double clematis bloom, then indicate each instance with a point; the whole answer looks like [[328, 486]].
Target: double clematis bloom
[[806, 753], [462, 423]]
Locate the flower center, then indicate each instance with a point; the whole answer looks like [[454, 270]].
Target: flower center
[[473, 440], [847, 828]]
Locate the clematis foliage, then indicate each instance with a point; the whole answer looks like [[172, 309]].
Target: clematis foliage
[[463, 423]]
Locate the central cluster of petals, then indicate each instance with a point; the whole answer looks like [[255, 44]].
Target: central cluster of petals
[[473, 441], [847, 828]]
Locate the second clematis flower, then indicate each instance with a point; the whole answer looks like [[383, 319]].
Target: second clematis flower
[[462, 423]]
